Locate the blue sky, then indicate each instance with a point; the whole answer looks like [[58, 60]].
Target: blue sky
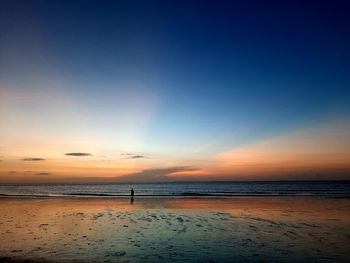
[[220, 74]]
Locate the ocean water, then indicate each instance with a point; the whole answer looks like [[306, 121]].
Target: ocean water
[[206, 189]]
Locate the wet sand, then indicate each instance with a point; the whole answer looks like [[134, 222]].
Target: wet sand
[[241, 229]]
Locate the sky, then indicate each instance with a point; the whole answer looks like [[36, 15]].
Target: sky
[[100, 91]]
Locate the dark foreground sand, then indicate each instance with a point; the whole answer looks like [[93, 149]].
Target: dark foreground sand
[[247, 229]]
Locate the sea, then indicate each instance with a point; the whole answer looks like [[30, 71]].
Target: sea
[[336, 189]]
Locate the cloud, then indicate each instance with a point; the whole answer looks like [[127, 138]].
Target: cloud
[[154, 175], [78, 154], [132, 156], [136, 157], [17, 172], [43, 173], [33, 159]]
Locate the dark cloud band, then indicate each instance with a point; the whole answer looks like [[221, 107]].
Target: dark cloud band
[[155, 175], [33, 159], [80, 154]]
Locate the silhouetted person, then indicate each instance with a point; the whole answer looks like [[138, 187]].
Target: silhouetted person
[[132, 196]]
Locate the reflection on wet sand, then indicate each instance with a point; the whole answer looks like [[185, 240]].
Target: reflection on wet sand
[[178, 229]]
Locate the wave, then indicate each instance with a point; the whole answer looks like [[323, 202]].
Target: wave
[[184, 195], [326, 189]]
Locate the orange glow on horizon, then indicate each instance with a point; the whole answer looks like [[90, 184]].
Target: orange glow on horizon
[[312, 153]]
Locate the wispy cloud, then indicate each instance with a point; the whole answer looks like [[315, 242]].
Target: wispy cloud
[[80, 154], [33, 159], [155, 175], [136, 157], [127, 154], [132, 156], [43, 173]]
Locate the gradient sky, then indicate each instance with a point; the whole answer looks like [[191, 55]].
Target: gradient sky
[[174, 90]]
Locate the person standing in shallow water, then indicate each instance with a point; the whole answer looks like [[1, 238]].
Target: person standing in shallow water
[[132, 195]]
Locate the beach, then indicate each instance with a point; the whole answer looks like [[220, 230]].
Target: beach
[[174, 131], [243, 229]]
